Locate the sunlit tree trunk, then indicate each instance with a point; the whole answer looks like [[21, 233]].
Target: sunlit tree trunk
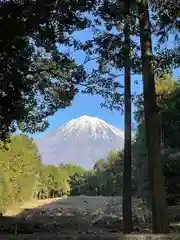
[[159, 205], [127, 184]]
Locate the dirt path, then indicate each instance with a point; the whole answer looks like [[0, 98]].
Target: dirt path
[[81, 205], [75, 214]]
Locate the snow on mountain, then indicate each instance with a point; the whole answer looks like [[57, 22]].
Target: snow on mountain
[[81, 141]]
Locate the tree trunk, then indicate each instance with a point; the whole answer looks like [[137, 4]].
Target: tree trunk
[[159, 205], [127, 185]]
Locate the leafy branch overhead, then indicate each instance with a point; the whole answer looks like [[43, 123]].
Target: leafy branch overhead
[[36, 79]]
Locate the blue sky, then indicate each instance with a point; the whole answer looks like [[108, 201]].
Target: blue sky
[[90, 105]]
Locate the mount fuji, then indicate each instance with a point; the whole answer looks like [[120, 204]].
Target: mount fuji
[[81, 142]]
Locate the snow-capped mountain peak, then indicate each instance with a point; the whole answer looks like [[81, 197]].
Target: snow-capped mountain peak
[[81, 141], [92, 125]]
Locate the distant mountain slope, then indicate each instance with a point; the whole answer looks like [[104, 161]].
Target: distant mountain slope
[[81, 141]]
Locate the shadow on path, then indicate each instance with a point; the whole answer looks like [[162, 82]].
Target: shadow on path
[[63, 215], [69, 216]]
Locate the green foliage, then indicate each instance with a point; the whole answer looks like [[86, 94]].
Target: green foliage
[[19, 167], [73, 169], [168, 108], [100, 165], [105, 179], [23, 176], [57, 181], [36, 78]]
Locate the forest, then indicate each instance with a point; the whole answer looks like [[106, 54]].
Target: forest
[[129, 37], [21, 165]]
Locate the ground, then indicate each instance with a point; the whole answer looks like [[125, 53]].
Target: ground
[[80, 214]]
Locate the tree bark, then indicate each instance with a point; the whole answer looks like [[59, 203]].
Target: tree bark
[[127, 183], [152, 126]]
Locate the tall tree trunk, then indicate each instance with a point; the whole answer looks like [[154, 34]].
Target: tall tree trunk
[[127, 184], [159, 205]]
